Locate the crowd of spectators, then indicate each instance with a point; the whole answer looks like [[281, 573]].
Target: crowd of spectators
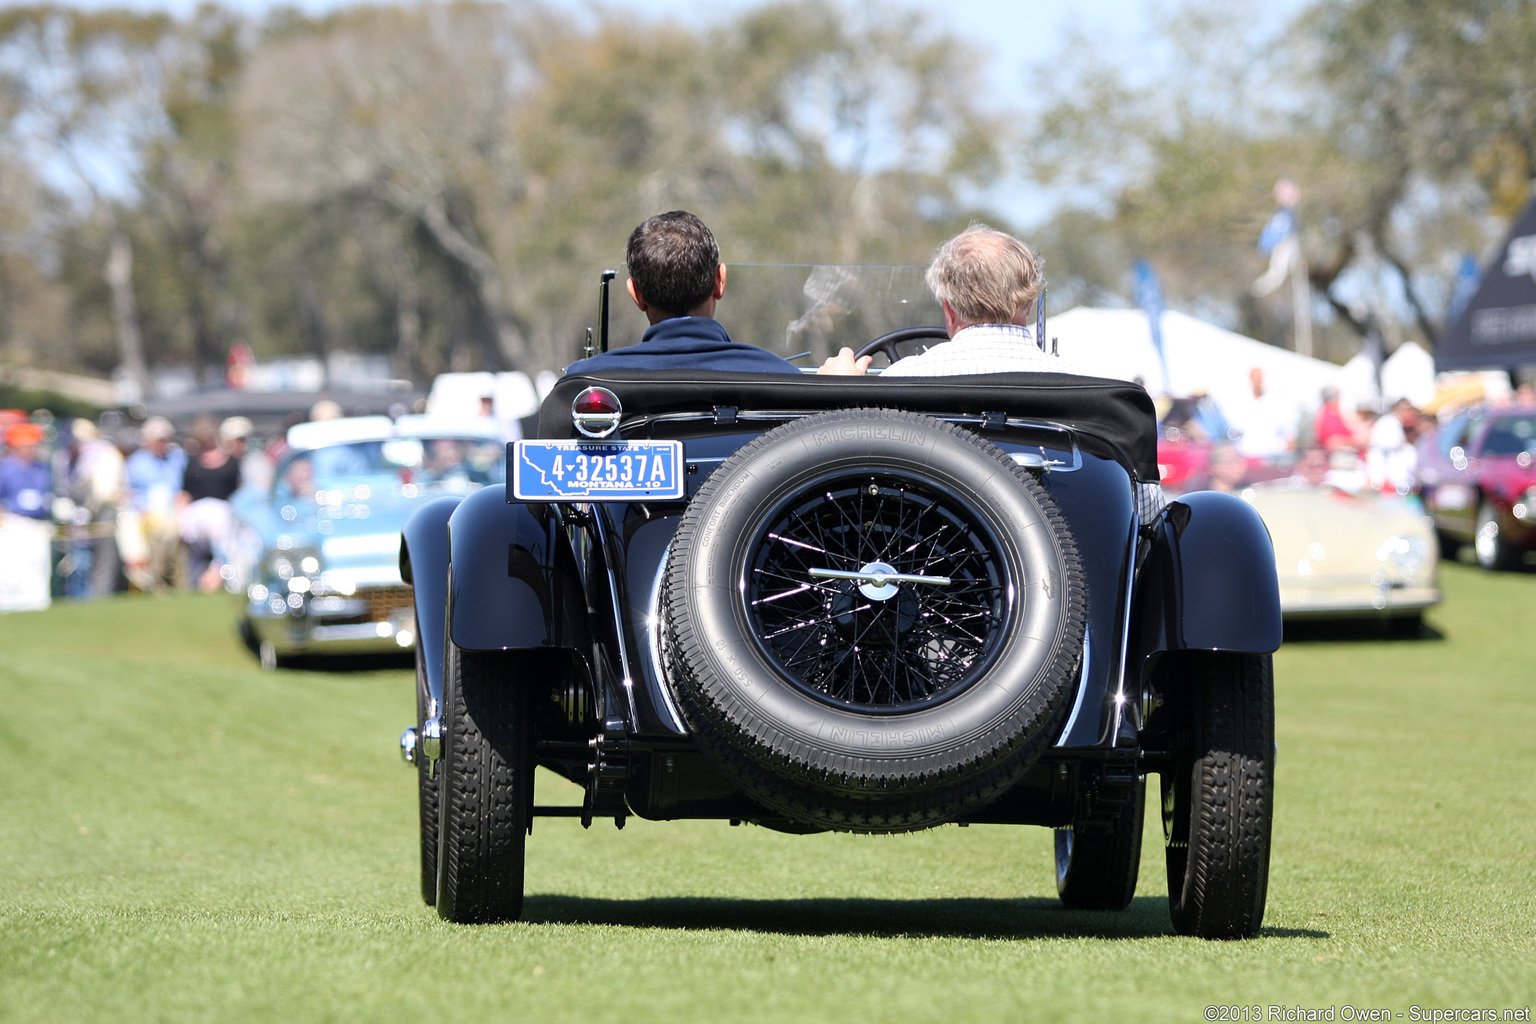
[[1371, 447], [91, 508]]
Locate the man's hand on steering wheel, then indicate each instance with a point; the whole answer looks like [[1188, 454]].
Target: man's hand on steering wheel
[[846, 364]]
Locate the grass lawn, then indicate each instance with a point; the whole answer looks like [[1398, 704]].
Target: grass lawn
[[183, 837]]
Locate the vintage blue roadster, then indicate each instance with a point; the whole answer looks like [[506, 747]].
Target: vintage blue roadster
[[814, 603]]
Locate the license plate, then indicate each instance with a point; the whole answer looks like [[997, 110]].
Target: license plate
[[597, 470]]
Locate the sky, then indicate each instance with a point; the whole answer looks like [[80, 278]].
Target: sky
[[1006, 34]]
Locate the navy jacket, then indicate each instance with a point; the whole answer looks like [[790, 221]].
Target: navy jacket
[[686, 342]]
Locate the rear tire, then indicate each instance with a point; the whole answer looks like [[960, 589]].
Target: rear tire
[[1493, 552], [1218, 799], [426, 788], [1096, 868], [487, 789], [1450, 547]]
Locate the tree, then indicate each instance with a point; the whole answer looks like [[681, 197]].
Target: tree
[[401, 106], [1405, 124], [188, 185], [1436, 99], [521, 149], [33, 308], [444, 181], [84, 101]]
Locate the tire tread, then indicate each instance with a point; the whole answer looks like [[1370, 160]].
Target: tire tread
[[1218, 884], [486, 791]]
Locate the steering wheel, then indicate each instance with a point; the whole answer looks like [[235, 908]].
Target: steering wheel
[[886, 343]]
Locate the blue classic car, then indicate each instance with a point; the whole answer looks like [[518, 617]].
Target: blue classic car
[[870, 604], [316, 553]]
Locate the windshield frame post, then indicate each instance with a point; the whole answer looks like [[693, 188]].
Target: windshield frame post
[[602, 308]]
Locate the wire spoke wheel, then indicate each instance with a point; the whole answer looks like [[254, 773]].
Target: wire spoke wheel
[[870, 643], [872, 620]]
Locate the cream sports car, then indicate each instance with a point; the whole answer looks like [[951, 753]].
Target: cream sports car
[[1342, 554]]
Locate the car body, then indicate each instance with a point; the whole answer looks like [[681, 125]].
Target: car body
[[316, 550], [1343, 554], [1477, 474], [856, 604]]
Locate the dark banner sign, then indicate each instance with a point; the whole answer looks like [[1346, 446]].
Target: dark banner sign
[[1497, 330]]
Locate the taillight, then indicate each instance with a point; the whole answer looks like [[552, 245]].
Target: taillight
[[596, 412]]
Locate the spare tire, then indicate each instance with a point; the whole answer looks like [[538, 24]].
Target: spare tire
[[872, 620]]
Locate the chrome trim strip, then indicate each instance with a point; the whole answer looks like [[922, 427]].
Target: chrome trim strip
[[1125, 630], [1082, 687], [653, 635], [1039, 460], [352, 631]]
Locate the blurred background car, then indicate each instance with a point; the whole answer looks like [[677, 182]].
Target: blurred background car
[[1477, 473], [316, 549], [1345, 553]]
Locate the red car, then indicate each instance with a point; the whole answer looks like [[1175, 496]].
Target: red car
[[1478, 475], [1184, 465]]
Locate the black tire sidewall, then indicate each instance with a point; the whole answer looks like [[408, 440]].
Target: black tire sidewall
[[974, 728]]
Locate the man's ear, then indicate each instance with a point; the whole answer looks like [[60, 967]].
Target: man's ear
[[629, 286], [951, 321], [719, 292]]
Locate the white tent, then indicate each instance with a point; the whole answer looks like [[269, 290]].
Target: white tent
[[513, 394], [1118, 343], [1409, 373]]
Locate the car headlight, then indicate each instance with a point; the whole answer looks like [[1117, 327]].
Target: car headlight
[[1525, 508], [1405, 554], [293, 569]]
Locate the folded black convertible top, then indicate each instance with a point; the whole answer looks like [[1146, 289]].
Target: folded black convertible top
[[1115, 419]]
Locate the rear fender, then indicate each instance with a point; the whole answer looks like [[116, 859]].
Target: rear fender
[[424, 565], [515, 583], [1209, 581]]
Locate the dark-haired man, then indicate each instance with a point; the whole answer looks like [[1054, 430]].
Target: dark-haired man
[[676, 278]]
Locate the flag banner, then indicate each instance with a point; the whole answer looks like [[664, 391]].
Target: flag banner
[[1468, 277], [1280, 226], [1149, 297]]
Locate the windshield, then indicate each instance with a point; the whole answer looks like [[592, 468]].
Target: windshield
[[446, 462], [802, 312], [1511, 435]]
